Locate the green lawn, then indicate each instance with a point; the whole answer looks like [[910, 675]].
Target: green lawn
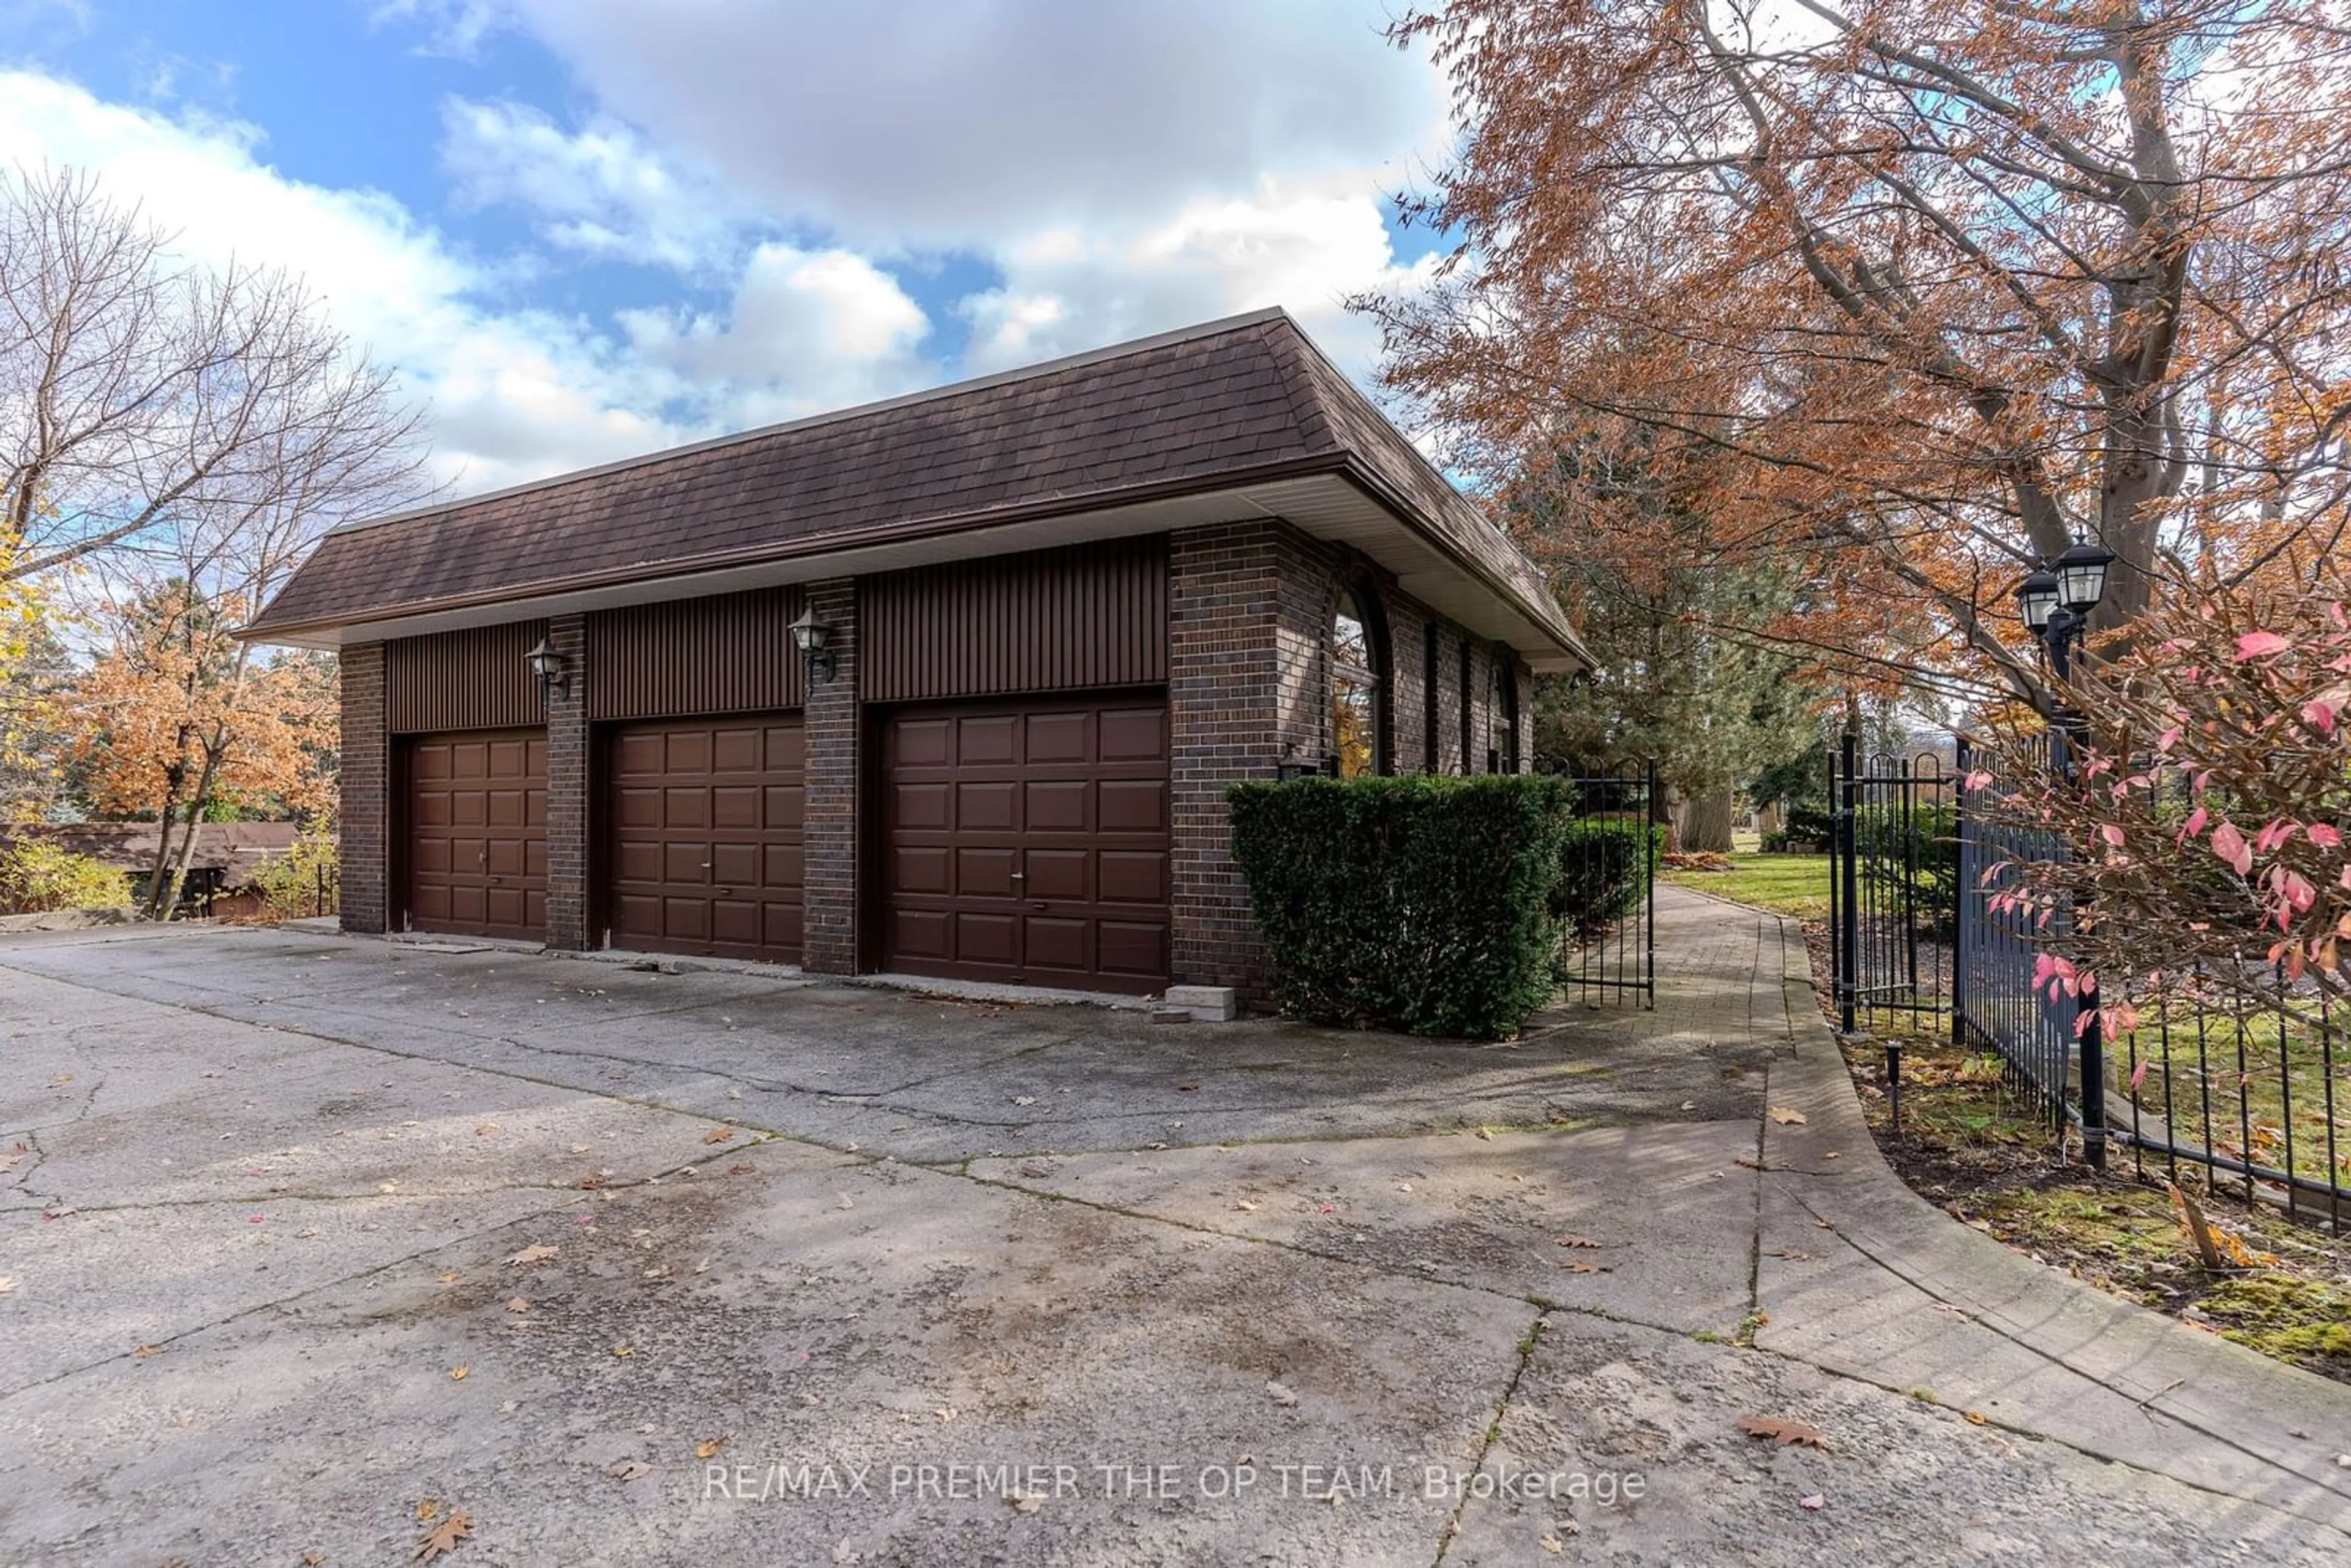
[[1785, 884]]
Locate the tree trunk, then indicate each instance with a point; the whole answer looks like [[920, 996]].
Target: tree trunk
[[1706, 821]]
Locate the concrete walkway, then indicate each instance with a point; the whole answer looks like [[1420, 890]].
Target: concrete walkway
[[1251, 1293]]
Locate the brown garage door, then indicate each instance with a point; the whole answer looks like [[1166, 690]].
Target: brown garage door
[[705, 820], [1027, 843], [476, 847]]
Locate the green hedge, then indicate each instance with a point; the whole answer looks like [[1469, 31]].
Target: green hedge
[[1605, 866], [1429, 904]]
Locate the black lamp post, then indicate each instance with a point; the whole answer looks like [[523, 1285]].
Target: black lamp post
[[2056, 602]]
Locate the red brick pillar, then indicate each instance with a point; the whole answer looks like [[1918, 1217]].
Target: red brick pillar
[[828, 943], [567, 790], [364, 814]]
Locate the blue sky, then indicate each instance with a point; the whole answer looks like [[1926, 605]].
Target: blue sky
[[584, 228]]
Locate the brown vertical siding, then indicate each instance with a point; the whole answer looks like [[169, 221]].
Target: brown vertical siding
[[1059, 620], [729, 652], [476, 679]]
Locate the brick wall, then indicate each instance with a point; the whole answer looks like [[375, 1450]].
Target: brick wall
[[828, 943], [567, 790], [1407, 681], [366, 781]]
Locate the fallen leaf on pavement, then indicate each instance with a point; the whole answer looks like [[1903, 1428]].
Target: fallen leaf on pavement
[[1813, 1502], [519, 1305], [1577, 1241], [1246, 1207], [537, 1254], [624, 1350], [1551, 1544], [147, 1349], [448, 1277], [739, 1168], [1024, 1099], [719, 1136], [1572, 1267], [1279, 1394], [1021, 1502], [1487, 1133], [7, 1284], [1793, 1255], [630, 1470], [1786, 1117], [428, 1510], [312, 1559], [1783, 1431], [444, 1537], [708, 1448], [457, 1374], [1974, 1417], [1186, 1088]]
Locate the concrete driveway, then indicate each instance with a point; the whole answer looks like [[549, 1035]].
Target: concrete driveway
[[313, 1243]]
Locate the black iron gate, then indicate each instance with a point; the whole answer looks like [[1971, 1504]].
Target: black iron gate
[[1893, 879], [1610, 951]]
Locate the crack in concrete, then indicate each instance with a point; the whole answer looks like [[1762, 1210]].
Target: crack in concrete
[[1526, 1355]]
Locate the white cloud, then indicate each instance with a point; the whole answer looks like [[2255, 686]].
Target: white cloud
[[959, 125], [515, 392], [600, 190], [1302, 243], [807, 332]]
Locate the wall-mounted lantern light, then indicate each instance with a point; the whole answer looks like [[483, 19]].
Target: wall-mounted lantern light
[[813, 638], [553, 670]]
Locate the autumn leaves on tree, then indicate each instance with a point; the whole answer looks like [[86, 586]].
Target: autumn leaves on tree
[[1906, 293]]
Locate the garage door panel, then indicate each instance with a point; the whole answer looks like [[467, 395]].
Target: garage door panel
[[735, 866], [1133, 805], [1037, 852], [705, 855], [735, 750], [473, 821], [736, 805], [1059, 805], [1058, 943], [1059, 873], [989, 806], [986, 871], [923, 806], [1059, 738], [987, 741], [985, 938]]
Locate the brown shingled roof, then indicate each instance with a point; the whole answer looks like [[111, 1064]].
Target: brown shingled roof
[[1245, 399]]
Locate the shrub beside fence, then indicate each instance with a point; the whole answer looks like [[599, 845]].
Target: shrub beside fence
[[1435, 905]]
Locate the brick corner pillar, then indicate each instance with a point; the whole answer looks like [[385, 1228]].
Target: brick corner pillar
[[363, 848], [567, 790], [1233, 658], [829, 831]]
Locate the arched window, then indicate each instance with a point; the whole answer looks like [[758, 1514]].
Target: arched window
[[1358, 682], [1505, 709]]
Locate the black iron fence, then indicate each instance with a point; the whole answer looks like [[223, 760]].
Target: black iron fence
[[1609, 951], [2243, 1079]]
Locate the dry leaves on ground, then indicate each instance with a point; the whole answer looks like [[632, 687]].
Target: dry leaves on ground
[[1786, 1117], [444, 1537], [1783, 1432], [537, 1254], [708, 1448], [1279, 1394], [718, 1136], [519, 1305]]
